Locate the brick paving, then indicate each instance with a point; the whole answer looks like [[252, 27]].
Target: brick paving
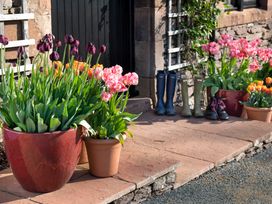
[[160, 145]]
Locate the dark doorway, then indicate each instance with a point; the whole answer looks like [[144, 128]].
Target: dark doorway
[[108, 22]]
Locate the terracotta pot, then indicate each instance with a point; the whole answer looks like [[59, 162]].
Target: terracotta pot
[[232, 100], [42, 162], [261, 114], [83, 158], [104, 156]]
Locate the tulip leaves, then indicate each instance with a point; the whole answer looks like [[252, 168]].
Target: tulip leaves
[[46, 103]]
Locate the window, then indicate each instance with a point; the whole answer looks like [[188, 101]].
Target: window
[[241, 4]]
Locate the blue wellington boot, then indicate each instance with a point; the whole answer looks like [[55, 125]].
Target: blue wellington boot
[[160, 109], [170, 92]]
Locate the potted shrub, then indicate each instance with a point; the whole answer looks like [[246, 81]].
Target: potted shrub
[[259, 104], [231, 67], [109, 123], [41, 114]]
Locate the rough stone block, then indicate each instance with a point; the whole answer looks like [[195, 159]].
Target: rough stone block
[[125, 199], [159, 184], [171, 178], [142, 194]]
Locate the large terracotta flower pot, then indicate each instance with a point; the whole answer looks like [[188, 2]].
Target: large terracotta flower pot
[[261, 114], [104, 156], [232, 99], [42, 162]]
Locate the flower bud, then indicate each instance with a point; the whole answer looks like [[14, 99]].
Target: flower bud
[[91, 49], [74, 51], [4, 40], [58, 44], [103, 49], [69, 39], [54, 56], [75, 43]]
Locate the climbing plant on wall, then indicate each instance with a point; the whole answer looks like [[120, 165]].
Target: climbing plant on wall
[[202, 21]]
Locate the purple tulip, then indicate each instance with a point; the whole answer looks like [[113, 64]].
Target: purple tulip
[[46, 46], [58, 44], [69, 39], [54, 56], [4, 40], [91, 49], [41, 69], [75, 43], [79, 58], [74, 51], [103, 49], [21, 52], [40, 46]]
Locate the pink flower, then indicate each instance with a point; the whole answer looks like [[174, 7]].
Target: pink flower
[[106, 96], [254, 66], [117, 69], [131, 78], [212, 48], [98, 73], [225, 40]]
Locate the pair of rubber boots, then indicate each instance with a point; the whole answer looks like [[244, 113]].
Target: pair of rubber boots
[[168, 107], [186, 111]]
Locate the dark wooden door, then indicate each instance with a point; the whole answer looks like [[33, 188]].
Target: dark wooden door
[[108, 22]]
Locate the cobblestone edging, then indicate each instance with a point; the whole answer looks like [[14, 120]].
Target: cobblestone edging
[[159, 186], [3, 158], [257, 147]]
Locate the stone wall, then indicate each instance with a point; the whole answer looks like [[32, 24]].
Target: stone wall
[[251, 31], [39, 26]]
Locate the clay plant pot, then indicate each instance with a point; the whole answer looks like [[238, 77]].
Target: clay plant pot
[[232, 99], [104, 156], [83, 158], [42, 162], [261, 114]]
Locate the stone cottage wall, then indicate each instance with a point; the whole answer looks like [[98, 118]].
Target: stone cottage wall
[[37, 27]]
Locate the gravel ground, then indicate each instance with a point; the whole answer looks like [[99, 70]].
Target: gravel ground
[[248, 181], [3, 158]]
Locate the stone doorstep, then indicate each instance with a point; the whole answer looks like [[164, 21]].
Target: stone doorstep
[[139, 105], [137, 169]]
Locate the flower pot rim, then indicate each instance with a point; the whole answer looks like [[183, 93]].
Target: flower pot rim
[[101, 141], [232, 90], [37, 133], [257, 108]]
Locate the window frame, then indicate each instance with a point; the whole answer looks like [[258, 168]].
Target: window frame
[[240, 4]]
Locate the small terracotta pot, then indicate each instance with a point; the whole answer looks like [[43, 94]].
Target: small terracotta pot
[[42, 162], [261, 114], [232, 99], [104, 156], [83, 158]]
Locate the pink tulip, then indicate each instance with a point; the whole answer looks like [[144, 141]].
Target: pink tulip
[[106, 96], [131, 78], [254, 66]]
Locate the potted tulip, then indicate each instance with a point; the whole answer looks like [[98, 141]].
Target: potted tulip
[[231, 68], [259, 104], [41, 114], [109, 123]]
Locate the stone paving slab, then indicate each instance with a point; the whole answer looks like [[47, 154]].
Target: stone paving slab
[[160, 144], [8, 198], [192, 143]]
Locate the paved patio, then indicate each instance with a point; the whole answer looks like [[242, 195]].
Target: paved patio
[[160, 145]]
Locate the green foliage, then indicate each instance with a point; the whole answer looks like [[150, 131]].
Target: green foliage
[[47, 101], [266, 71], [229, 76], [110, 121], [202, 21], [259, 100]]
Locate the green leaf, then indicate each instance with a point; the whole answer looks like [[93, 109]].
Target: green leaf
[[214, 90], [41, 126], [54, 124], [30, 125]]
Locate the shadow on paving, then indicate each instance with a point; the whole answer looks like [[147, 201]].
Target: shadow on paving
[[248, 181]]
